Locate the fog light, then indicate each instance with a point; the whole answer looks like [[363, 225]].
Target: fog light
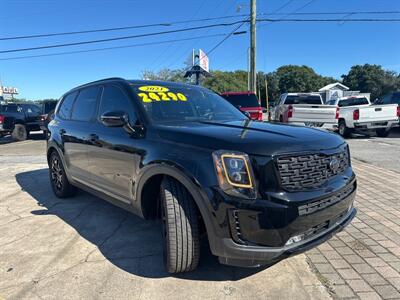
[[295, 239]]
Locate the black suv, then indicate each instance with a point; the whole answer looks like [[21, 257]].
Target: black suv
[[260, 192]]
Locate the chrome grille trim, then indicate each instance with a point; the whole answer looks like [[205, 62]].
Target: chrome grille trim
[[309, 171]]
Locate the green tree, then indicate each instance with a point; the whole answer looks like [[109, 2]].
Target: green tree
[[292, 78], [371, 79], [165, 75], [222, 81]]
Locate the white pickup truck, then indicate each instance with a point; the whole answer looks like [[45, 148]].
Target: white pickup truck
[[305, 109], [357, 114]]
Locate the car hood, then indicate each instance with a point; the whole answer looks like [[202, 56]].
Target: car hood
[[251, 137]]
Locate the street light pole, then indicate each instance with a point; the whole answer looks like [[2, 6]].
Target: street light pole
[[253, 71]]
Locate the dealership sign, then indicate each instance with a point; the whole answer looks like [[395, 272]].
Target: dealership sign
[[9, 90]]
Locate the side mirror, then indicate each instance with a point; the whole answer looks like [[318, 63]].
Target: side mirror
[[115, 119]]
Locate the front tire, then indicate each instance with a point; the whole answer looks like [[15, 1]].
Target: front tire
[[19, 133], [180, 227], [382, 132], [58, 178]]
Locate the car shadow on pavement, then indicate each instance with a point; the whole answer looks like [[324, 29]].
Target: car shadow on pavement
[[127, 241], [394, 133], [35, 136]]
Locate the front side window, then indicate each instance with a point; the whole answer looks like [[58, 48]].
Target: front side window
[[85, 104], [64, 112], [114, 100], [184, 103]]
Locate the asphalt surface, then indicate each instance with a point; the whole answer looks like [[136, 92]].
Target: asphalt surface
[[381, 152], [86, 248]]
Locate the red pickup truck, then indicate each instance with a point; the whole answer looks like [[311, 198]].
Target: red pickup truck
[[246, 102]]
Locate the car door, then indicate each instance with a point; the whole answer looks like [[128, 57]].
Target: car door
[[113, 152], [32, 117], [75, 131]]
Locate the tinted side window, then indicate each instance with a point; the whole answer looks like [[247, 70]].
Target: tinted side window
[[85, 104], [34, 109], [386, 99], [396, 98], [113, 99], [64, 112]]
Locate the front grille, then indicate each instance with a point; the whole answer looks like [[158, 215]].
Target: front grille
[[309, 208], [310, 171]]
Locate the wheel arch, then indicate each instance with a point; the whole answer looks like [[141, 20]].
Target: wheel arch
[[148, 187]]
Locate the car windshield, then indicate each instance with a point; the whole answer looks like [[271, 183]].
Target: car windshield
[[303, 99], [167, 102], [242, 100]]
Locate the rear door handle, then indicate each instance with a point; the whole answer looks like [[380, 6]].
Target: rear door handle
[[93, 137]]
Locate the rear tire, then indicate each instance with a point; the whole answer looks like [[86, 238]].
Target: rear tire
[[180, 227], [382, 132], [343, 130], [58, 178], [19, 133]]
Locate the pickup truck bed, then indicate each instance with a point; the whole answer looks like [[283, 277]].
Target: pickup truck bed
[[323, 116]]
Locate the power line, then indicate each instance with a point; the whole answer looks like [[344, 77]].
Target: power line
[[112, 48], [275, 12], [335, 13], [329, 20], [115, 28], [123, 37], [241, 22]]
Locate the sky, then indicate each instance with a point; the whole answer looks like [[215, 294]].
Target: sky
[[330, 48]]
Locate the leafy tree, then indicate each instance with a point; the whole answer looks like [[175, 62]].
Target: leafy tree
[[164, 74], [372, 79], [221, 81], [293, 78]]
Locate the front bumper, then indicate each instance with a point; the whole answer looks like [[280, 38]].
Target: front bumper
[[260, 232], [255, 256]]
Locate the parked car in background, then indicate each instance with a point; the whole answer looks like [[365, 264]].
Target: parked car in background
[[356, 114], [48, 108], [305, 109], [19, 119], [246, 102], [180, 153]]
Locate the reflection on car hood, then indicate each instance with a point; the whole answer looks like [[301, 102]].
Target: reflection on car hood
[[257, 138]]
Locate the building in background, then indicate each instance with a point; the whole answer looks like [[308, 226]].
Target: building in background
[[337, 90]]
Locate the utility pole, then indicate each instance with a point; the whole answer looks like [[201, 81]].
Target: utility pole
[[253, 71]]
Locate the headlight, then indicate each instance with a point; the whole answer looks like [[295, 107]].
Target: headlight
[[235, 174]]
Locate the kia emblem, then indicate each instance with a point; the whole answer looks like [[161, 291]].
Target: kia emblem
[[334, 165]]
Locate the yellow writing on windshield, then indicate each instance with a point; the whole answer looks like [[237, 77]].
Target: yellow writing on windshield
[[161, 96], [153, 88]]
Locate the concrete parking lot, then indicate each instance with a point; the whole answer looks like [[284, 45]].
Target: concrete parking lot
[[84, 248]]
